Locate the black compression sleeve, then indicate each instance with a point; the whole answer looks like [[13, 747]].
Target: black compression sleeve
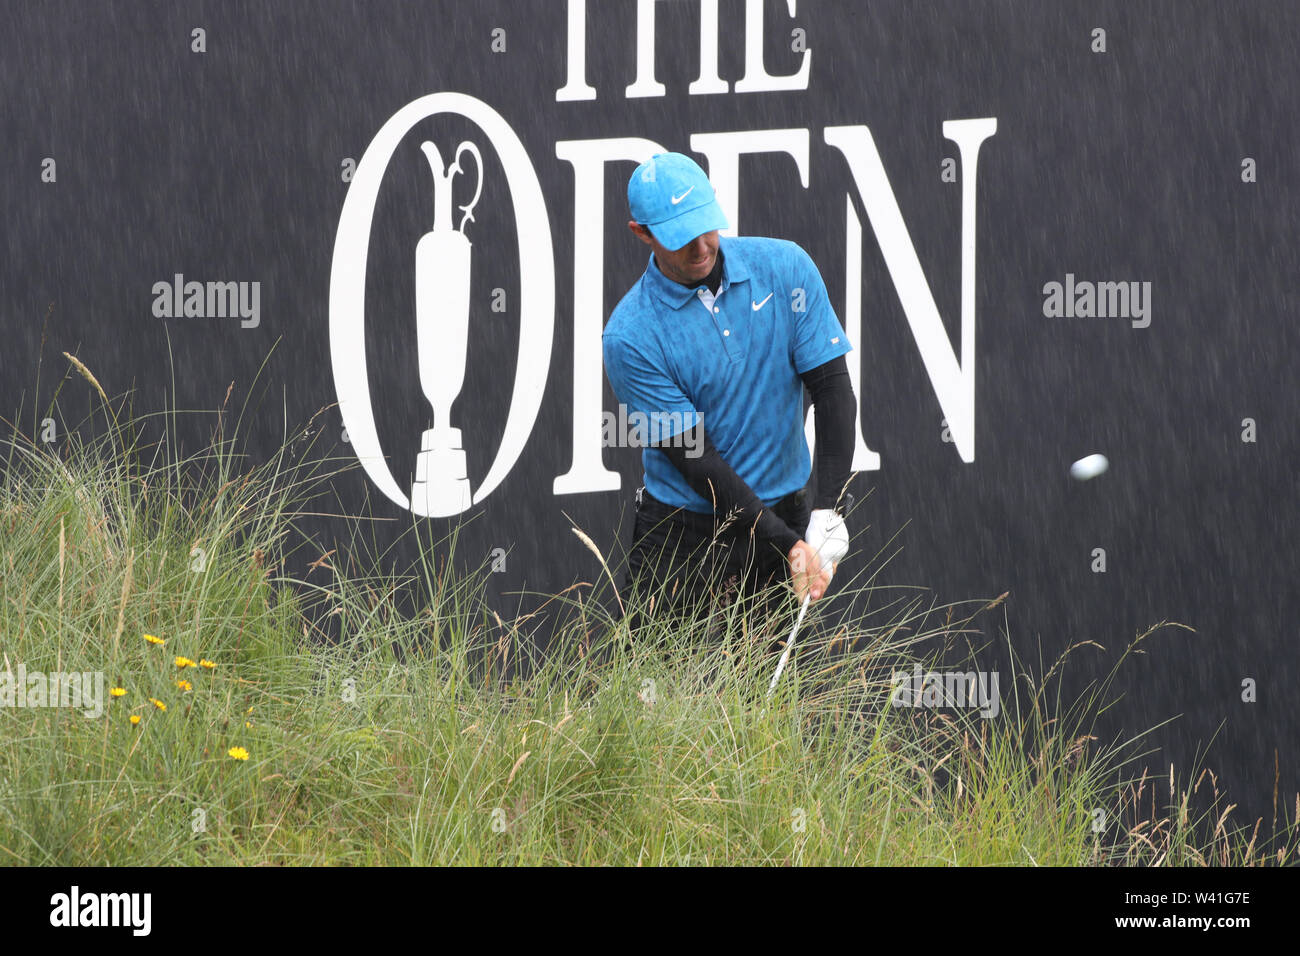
[[837, 412], [713, 479]]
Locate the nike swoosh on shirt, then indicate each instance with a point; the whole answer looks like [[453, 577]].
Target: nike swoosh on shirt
[[758, 305], [677, 199]]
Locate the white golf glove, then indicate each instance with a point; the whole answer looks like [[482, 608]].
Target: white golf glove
[[829, 537]]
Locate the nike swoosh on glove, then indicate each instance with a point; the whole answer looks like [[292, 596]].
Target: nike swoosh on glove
[[828, 536]]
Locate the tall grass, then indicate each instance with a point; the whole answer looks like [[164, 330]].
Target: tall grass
[[445, 736]]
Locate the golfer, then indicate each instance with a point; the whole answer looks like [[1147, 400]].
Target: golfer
[[713, 345]]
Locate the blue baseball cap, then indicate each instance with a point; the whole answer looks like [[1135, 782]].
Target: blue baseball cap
[[670, 195]]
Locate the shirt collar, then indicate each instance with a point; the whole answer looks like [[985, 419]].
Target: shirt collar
[[734, 270]]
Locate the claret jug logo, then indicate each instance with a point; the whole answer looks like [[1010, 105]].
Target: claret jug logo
[[443, 260]]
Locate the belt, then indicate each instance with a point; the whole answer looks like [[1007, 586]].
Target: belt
[[653, 507]]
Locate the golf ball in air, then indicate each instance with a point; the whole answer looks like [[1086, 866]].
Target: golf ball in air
[[1089, 467]]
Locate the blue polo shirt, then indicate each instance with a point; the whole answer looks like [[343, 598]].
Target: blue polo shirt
[[735, 364]]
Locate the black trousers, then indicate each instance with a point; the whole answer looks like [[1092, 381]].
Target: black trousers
[[692, 565]]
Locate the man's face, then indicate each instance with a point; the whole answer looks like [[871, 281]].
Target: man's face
[[687, 265]]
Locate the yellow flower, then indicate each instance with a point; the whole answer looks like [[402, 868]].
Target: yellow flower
[[157, 703], [239, 753], [118, 692], [135, 718], [184, 662], [248, 725], [154, 640], [207, 664], [184, 685]]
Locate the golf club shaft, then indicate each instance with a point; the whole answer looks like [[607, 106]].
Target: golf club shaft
[[789, 644]]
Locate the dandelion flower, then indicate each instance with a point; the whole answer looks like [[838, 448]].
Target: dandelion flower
[[239, 753], [184, 685], [207, 664], [248, 725], [135, 718], [154, 640], [117, 692], [157, 703], [184, 662]]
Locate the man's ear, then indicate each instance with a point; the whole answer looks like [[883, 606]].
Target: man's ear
[[640, 231]]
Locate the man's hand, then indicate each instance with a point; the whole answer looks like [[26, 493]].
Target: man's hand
[[806, 572], [828, 536], [815, 559]]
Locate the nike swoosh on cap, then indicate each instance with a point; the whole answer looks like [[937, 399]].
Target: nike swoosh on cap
[[677, 199]]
